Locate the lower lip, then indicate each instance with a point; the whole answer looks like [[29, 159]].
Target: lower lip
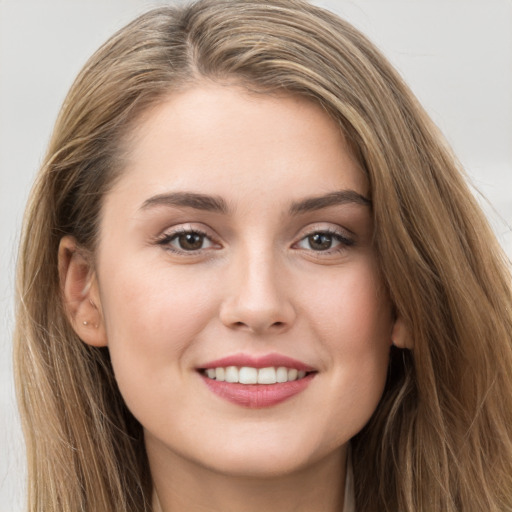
[[258, 396]]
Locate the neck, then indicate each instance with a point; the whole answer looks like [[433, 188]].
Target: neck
[[184, 486]]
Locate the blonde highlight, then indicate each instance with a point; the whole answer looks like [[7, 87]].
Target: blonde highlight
[[441, 438]]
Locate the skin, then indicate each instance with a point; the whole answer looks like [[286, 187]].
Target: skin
[[257, 284]]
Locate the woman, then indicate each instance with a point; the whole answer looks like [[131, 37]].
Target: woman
[[252, 276]]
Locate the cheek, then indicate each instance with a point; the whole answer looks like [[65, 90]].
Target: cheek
[[153, 299], [363, 334], [352, 319], [152, 318], [351, 310]]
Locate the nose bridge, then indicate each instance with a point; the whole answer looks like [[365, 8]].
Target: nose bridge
[[259, 287], [258, 298]]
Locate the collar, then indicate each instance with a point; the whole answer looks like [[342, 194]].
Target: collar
[[349, 504]]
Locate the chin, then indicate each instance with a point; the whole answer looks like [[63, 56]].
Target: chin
[[269, 458], [261, 466]]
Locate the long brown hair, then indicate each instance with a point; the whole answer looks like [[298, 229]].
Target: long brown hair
[[441, 438]]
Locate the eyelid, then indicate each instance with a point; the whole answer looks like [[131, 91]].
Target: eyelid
[[164, 239], [341, 234]]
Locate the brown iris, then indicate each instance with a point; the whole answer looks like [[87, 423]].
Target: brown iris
[[190, 241], [320, 241]]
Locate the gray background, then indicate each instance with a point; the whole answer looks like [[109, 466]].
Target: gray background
[[455, 54]]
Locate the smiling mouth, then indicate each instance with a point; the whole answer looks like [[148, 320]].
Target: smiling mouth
[[249, 375]]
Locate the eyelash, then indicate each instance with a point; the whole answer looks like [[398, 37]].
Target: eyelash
[[335, 235], [167, 239]]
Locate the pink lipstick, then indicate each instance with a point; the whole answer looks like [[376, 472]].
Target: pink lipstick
[[256, 381]]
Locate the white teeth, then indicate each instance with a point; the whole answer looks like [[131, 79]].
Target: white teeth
[[249, 375], [267, 376], [231, 374], [282, 374]]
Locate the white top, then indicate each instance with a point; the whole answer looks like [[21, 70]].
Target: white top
[[349, 504]]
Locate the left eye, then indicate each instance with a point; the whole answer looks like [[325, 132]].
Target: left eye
[[322, 241], [188, 241]]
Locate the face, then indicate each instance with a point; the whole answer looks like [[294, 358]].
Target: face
[[239, 236]]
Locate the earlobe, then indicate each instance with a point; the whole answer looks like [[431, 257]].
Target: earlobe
[[80, 293], [400, 335]]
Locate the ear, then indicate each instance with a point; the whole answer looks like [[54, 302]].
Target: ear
[[80, 293], [400, 335]]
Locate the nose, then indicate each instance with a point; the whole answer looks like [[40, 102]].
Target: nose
[[258, 296]]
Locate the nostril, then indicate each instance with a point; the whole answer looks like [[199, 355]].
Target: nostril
[[274, 325]]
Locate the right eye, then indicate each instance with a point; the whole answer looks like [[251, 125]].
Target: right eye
[[183, 241], [191, 241]]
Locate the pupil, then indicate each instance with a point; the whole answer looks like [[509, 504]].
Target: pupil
[[191, 241], [320, 241]]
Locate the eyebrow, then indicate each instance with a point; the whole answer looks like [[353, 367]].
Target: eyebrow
[[188, 199], [217, 204], [337, 198]]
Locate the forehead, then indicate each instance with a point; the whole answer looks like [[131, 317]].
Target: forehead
[[220, 139]]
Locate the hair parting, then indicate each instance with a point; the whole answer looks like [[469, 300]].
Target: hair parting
[[441, 437]]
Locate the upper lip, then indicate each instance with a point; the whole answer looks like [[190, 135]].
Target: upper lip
[[263, 361]]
